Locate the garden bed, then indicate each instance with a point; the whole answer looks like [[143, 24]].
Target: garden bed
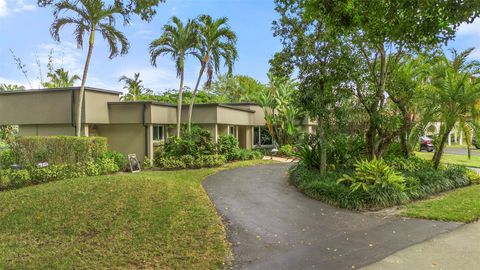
[[407, 180]]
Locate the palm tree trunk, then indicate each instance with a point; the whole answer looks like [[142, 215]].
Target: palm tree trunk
[[78, 124], [190, 108], [437, 156], [323, 149], [179, 105]]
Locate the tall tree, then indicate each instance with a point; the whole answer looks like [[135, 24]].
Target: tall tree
[[60, 78], [319, 56], [381, 32], [177, 40], [454, 96], [217, 42], [134, 87], [89, 17], [236, 88], [144, 9]]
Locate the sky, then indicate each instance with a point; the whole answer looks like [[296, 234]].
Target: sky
[[24, 29]]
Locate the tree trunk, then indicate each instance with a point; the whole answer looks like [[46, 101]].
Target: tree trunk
[[179, 105], [323, 149], [439, 152], [194, 93], [78, 122]]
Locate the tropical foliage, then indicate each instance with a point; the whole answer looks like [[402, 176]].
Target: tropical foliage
[[178, 40], [134, 87], [216, 44], [90, 17], [60, 78]]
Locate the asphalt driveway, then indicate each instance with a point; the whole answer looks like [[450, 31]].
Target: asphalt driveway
[[271, 225]]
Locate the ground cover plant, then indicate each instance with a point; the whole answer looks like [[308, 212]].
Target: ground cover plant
[[147, 220]]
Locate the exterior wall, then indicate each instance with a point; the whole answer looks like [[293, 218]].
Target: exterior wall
[[233, 117], [47, 130], [96, 107], [163, 115], [245, 137], [127, 113], [200, 114], [44, 107], [222, 130], [125, 138]]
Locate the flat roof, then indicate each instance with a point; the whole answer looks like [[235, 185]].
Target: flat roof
[[77, 88], [141, 102], [223, 105]]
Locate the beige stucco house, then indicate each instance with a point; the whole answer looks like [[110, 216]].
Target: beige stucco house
[[131, 127]]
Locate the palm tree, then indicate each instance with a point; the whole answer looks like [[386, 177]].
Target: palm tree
[[217, 43], [134, 87], [454, 95], [60, 78], [89, 17], [178, 41]]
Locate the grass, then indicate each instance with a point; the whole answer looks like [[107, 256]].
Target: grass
[[149, 220], [453, 159], [460, 205]]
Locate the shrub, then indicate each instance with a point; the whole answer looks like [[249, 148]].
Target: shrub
[[176, 147], [227, 145], [119, 159], [147, 163], [158, 154], [247, 154], [58, 149], [14, 178], [473, 176], [189, 161], [344, 150], [171, 163], [202, 139], [309, 154], [212, 160], [286, 150], [36, 175], [408, 165], [7, 158]]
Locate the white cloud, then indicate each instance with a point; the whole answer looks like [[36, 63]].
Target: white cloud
[[3, 8], [173, 11], [21, 6], [469, 30], [65, 55]]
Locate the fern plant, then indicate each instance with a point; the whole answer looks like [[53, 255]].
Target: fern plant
[[371, 175]]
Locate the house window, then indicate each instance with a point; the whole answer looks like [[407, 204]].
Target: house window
[[158, 133], [261, 136], [231, 130]]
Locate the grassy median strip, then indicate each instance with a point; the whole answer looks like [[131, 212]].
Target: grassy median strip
[[461, 205], [453, 159], [153, 220]]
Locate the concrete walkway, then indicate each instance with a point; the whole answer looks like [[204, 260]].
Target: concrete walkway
[[456, 250], [272, 225]]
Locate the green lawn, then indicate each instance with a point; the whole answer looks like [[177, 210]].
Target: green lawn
[[453, 159], [461, 205], [149, 220]]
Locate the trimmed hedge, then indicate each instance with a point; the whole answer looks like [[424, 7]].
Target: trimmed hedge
[[31, 175], [58, 149]]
